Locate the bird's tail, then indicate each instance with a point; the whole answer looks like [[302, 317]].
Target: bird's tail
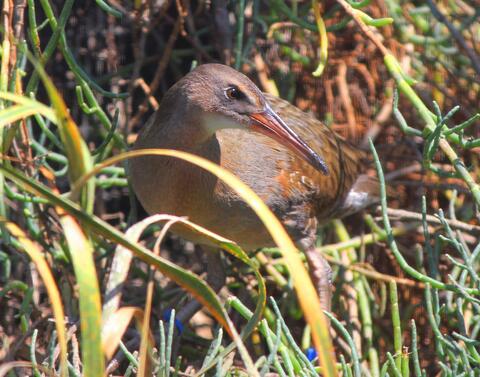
[[364, 192]]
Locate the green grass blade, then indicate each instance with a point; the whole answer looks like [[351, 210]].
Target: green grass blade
[[89, 295], [47, 112]]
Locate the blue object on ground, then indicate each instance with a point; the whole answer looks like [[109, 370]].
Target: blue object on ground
[[178, 324], [311, 353]]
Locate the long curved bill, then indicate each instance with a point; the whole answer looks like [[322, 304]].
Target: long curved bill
[[270, 124]]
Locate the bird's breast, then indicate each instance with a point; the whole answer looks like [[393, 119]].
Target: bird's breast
[[168, 185]]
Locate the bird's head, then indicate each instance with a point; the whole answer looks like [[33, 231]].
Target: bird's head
[[225, 98]]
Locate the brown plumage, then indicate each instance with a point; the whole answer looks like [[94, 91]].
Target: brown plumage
[[298, 193], [304, 172]]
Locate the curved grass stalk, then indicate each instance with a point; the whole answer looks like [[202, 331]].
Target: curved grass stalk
[[323, 39], [122, 263], [306, 293]]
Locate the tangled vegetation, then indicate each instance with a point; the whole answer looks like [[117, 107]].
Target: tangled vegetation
[[79, 79]]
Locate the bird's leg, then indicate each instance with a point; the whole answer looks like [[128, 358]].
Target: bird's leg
[[321, 274], [216, 279], [320, 271]]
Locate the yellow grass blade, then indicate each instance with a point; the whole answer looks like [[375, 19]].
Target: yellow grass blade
[[36, 256], [78, 155]]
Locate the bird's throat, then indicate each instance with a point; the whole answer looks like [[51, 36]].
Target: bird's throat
[[212, 122]]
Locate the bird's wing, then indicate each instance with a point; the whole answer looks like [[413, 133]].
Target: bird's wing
[[344, 161]]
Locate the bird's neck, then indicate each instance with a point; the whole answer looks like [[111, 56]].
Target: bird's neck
[[180, 130]]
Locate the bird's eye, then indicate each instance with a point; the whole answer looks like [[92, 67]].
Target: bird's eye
[[233, 93]]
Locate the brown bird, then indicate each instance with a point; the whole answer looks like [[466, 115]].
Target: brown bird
[[303, 171]]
